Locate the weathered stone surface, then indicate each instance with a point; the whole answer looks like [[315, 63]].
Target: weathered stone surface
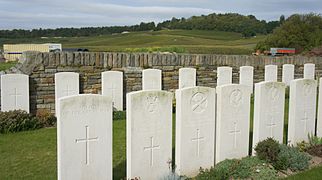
[[271, 73], [66, 84], [224, 75], [268, 111], [232, 125], [15, 92], [112, 87], [187, 77], [309, 71], [205, 65], [195, 127], [288, 74], [151, 79], [246, 76], [84, 137], [149, 134], [319, 118], [302, 110]]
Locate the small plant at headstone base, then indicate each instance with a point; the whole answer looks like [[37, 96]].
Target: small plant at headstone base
[[254, 168], [172, 175], [315, 150], [46, 119], [18, 120], [267, 150], [292, 158], [246, 168], [174, 106], [119, 115], [314, 140], [222, 170], [303, 146]]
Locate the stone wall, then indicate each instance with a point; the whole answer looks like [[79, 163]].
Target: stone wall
[[42, 67]]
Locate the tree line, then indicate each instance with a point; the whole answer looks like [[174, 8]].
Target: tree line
[[230, 22], [300, 31]]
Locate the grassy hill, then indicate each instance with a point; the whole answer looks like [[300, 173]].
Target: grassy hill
[[182, 41]]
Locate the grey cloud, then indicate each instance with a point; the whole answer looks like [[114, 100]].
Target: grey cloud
[[63, 13]]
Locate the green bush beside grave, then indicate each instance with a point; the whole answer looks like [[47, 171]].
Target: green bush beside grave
[[267, 150], [292, 158], [17, 120], [246, 168], [119, 115]]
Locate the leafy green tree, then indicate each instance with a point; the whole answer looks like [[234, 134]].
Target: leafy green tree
[[302, 32]]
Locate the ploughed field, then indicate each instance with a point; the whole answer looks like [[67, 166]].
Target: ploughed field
[[180, 41]]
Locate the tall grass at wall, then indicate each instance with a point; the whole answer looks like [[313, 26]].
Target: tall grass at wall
[[7, 65]]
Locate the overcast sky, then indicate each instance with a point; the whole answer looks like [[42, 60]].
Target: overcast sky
[[29, 14]]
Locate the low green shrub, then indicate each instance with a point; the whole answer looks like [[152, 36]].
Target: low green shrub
[[222, 170], [314, 140], [267, 150], [246, 168], [315, 150], [303, 146], [119, 115], [46, 119], [291, 157], [172, 176], [15, 121]]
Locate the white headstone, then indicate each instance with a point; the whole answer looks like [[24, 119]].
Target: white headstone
[[187, 77], [14, 92], [269, 111], [66, 84], [319, 121], [195, 129], [271, 73], [84, 137], [309, 71], [149, 134], [151, 79], [224, 75], [288, 74], [112, 87], [232, 129], [246, 76], [302, 110]]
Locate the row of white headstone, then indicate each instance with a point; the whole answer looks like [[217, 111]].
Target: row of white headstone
[[205, 134], [15, 87]]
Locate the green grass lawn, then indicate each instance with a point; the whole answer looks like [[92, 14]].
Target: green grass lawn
[[189, 41], [32, 155], [6, 65], [312, 174]]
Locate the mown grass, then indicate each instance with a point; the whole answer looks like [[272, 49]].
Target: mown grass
[[6, 65], [312, 174], [32, 155], [188, 41]]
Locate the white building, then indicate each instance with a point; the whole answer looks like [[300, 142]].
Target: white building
[[12, 52]]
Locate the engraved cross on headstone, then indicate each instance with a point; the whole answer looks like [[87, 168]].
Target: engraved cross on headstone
[[305, 119], [271, 125], [87, 140], [16, 94], [153, 84], [151, 148], [198, 139], [113, 88], [68, 91], [235, 132]]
